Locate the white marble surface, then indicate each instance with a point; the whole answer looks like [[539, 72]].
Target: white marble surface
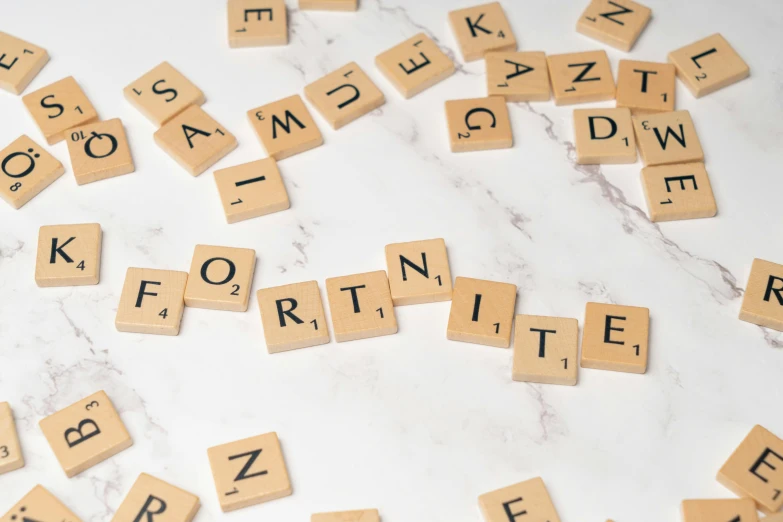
[[412, 424]]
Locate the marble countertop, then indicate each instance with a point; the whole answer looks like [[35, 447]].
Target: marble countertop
[[411, 424]]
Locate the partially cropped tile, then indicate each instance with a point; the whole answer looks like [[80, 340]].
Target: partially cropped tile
[[20, 62]]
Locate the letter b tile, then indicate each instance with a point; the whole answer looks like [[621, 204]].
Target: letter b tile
[[85, 433], [528, 500], [153, 500], [615, 338], [763, 300]]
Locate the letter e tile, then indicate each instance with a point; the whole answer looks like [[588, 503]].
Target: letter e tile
[[529, 498], [20, 62], [415, 65], [615, 338]]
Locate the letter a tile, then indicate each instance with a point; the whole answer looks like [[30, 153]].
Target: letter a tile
[[581, 77], [68, 255], [361, 306], [152, 301], [614, 22], [163, 93], [257, 23], [755, 470], [733, 509], [220, 278], [518, 77], [99, 151], [482, 312], [529, 498], [615, 338], [763, 300], [709, 65], [363, 515], [415, 65], [481, 29], [25, 170], [39, 505], [285, 127], [545, 349], [249, 471], [150, 498], [418, 272], [59, 107], [479, 124], [11, 457], [604, 136], [667, 137], [251, 190], [676, 192], [20, 62], [344, 95], [85, 433], [293, 316]]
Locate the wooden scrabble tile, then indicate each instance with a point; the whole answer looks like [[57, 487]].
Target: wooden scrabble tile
[[777, 517], [418, 272], [85, 433], [518, 76], [293, 316], [361, 306], [251, 190], [163, 93], [529, 498], [615, 338], [614, 22], [41, 505], [20, 62], [99, 151], [220, 278], [581, 77], [481, 29], [11, 457], [329, 5], [734, 509], [709, 65], [479, 124], [68, 255], [195, 140], [59, 107], [667, 137], [415, 65], [285, 127], [151, 497], [763, 300], [604, 136], [482, 312], [363, 515], [27, 169], [257, 23], [152, 301], [678, 192], [249, 471], [545, 349], [344, 95], [645, 87]]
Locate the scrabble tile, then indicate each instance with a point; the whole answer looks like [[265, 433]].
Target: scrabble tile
[[545, 349], [195, 140], [85, 433], [285, 127], [163, 93], [604, 136], [615, 338], [344, 95], [667, 137], [482, 312], [99, 151], [68, 255], [418, 272], [20, 62], [152, 301], [708, 65], [481, 29], [220, 278], [529, 498], [249, 471], [41, 505], [777, 517], [293, 316], [363, 515], [415, 65], [678, 192], [479, 124], [251, 190], [518, 76], [763, 300], [645, 87], [614, 22], [361, 306], [153, 498], [329, 5], [26, 170], [581, 77], [11, 457], [59, 107], [734, 509], [257, 23]]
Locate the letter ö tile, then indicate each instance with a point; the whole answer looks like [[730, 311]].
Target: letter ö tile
[[293, 316], [25, 170], [39, 505]]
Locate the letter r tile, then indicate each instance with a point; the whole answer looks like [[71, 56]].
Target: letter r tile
[[150, 497], [293, 316], [762, 303], [85, 433], [528, 500], [615, 338]]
